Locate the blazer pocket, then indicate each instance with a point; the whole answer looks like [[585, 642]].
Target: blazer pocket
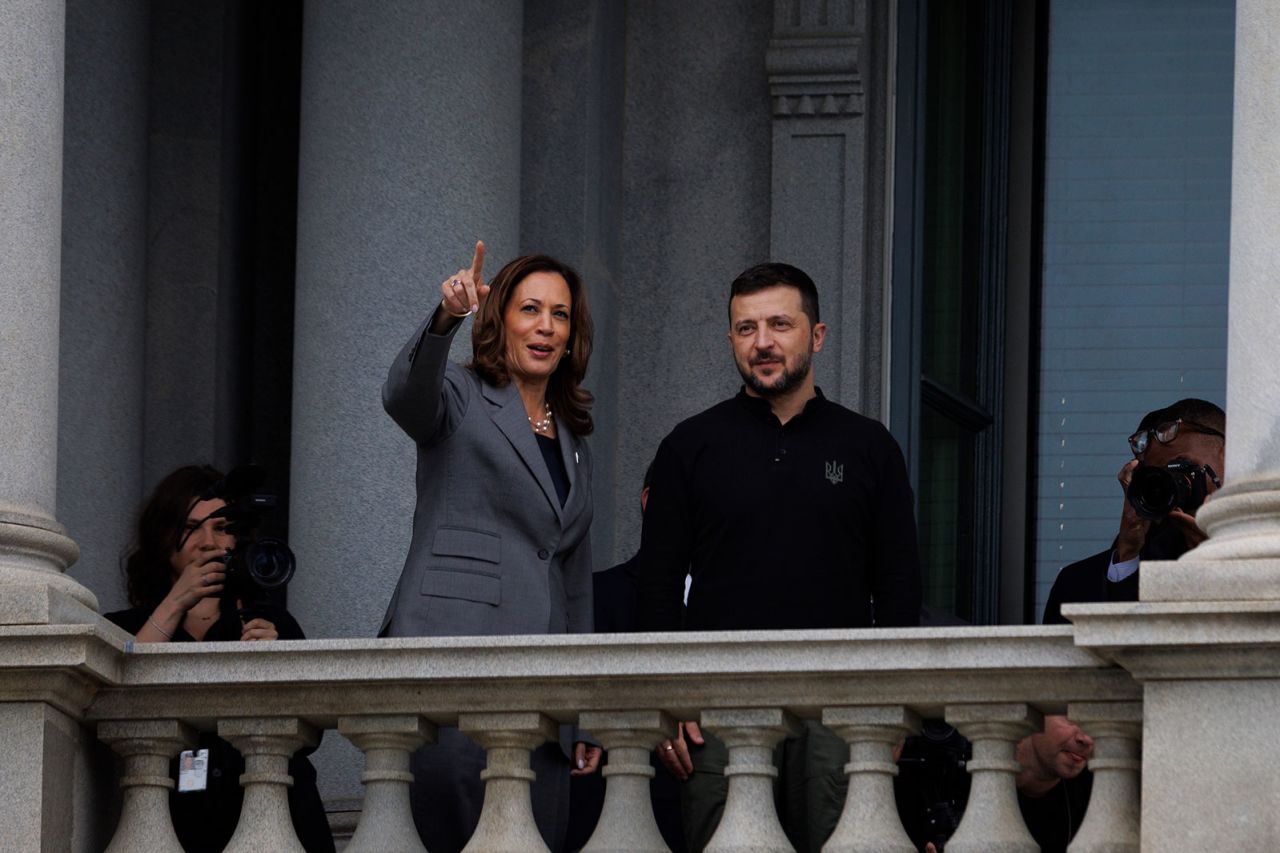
[[469, 586], [472, 544]]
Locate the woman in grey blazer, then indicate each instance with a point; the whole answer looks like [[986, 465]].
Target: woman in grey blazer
[[500, 542]]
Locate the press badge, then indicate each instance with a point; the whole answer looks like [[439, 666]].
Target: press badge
[[193, 770]]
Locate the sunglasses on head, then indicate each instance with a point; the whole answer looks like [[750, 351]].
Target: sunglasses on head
[[1165, 433]]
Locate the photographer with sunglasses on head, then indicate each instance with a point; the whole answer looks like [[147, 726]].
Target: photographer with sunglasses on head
[[1179, 453]]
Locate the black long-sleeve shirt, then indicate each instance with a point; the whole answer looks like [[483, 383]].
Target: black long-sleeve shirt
[[801, 525]]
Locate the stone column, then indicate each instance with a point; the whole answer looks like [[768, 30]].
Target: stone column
[[1111, 823], [750, 820], [267, 744], [870, 822], [992, 822], [506, 819], [627, 824], [34, 548], [146, 747], [828, 86], [409, 150], [386, 820]]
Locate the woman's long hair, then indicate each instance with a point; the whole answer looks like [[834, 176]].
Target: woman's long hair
[[565, 394], [148, 572]]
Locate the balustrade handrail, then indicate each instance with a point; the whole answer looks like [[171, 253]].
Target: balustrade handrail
[[925, 668], [389, 695]]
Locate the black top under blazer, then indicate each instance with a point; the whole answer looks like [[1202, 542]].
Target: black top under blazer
[[493, 551]]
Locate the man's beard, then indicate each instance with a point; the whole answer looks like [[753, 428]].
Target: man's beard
[[785, 382]]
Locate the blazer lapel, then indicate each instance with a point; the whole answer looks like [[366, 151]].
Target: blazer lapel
[[569, 453], [511, 419]]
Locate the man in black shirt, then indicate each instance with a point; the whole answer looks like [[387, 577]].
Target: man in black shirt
[[1189, 431], [788, 511]]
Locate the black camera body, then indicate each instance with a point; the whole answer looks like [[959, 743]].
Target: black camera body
[[932, 786], [257, 567], [1155, 492]]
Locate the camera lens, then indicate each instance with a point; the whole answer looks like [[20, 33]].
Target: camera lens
[[1155, 492], [270, 563]]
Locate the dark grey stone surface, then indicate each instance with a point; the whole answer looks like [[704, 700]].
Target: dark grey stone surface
[[104, 275], [696, 185], [409, 152]]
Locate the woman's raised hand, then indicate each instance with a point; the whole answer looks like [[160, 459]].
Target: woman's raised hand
[[201, 578], [462, 293]]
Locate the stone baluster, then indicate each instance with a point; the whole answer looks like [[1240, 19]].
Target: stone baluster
[[146, 747], [386, 820], [627, 823], [750, 820], [506, 820], [267, 744], [992, 822], [1111, 825], [870, 822]]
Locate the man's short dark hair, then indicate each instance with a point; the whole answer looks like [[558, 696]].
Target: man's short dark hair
[[764, 276], [1189, 409]]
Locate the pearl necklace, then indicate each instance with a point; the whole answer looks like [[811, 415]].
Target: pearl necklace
[[542, 426]]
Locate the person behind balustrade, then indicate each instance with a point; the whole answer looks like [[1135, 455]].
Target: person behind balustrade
[[501, 527], [1053, 784], [788, 511], [175, 577], [1188, 440]]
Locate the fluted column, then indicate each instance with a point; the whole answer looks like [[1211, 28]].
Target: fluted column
[[267, 744], [34, 549], [750, 820], [870, 822], [627, 823], [506, 820], [1112, 821], [146, 746], [992, 822], [386, 820]]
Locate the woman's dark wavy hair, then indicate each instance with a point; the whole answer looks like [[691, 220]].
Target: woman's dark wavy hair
[[565, 393], [147, 570]]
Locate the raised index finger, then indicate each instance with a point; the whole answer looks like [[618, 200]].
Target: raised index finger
[[477, 261]]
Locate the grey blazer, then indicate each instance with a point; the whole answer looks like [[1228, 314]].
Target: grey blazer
[[493, 552]]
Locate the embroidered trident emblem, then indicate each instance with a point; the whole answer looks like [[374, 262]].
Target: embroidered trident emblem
[[835, 472]]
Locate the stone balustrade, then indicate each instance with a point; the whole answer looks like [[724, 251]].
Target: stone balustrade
[[510, 693]]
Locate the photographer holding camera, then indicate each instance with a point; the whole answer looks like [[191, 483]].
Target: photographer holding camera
[[1179, 452], [195, 573]]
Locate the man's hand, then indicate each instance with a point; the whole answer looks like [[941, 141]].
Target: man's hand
[[1133, 527], [586, 759], [674, 754], [462, 293], [1186, 523]]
